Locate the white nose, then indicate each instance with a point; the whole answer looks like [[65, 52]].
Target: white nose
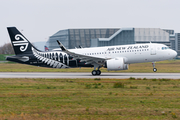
[[174, 53]]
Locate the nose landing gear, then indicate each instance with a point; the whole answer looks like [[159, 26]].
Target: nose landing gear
[[154, 69]]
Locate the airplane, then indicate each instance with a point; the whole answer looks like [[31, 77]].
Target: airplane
[[110, 57], [46, 48]]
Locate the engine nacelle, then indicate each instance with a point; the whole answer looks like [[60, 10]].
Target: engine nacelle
[[116, 64]]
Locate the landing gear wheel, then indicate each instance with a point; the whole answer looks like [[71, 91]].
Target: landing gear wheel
[[94, 72], [154, 69], [98, 72]]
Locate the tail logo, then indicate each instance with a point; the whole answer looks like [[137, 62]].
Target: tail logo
[[23, 43]]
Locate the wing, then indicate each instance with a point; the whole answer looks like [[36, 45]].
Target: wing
[[88, 59]]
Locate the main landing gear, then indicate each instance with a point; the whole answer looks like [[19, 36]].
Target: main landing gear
[[154, 69], [96, 72]]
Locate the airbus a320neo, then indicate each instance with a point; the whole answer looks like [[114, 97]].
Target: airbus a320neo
[[110, 57]]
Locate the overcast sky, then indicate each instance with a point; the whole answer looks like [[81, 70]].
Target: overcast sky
[[39, 19]]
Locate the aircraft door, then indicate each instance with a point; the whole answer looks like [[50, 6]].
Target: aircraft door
[[153, 49]]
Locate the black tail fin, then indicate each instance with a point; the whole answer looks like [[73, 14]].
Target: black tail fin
[[20, 44]]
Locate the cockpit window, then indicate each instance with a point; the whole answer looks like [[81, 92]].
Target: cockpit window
[[165, 48]]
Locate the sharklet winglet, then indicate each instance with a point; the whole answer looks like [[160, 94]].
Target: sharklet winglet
[[61, 45]]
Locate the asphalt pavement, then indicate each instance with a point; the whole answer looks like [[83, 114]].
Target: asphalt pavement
[[87, 75]]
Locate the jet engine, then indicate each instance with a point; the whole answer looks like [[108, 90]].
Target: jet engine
[[116, 64]]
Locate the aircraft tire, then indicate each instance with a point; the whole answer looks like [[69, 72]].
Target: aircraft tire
[[154, 69], [98, 72], [94, 72]]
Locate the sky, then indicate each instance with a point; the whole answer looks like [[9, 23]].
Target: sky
[[39, 19]]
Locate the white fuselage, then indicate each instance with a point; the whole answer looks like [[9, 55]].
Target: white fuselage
[[136, 53]]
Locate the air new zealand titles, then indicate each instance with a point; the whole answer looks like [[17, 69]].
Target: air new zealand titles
[[128, 47]]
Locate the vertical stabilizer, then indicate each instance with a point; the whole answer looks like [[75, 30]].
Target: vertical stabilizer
[[20, 43]]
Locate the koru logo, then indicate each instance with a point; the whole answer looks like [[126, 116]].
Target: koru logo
[[22, 43]]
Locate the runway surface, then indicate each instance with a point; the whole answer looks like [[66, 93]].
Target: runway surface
[[87, 75]]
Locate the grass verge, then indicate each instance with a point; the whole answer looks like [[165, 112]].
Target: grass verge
[[89, 99]]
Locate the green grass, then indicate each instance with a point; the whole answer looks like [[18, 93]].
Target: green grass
[[89, 99], [3, 57], [169, 66]]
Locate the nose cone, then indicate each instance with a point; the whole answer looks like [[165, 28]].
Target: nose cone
[[174, 54]]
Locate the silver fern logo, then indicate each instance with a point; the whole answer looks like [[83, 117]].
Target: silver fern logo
[[23, 43], [50, 59]]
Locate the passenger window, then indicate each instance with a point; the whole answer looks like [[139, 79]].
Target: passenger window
[[166, 47]]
